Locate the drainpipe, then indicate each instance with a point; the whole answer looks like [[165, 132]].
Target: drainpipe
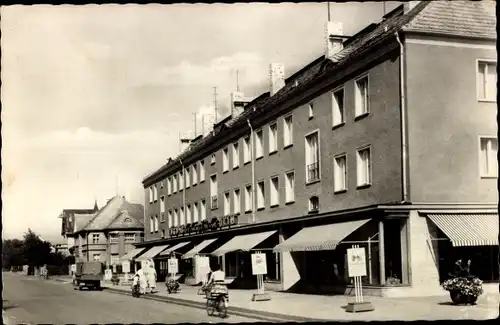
[[184, 188], [252, 158], [88, 247], [404, 144]]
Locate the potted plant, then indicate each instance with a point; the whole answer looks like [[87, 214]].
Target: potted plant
[[464, 288]]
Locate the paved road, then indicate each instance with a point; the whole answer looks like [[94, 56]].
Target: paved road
[[34, 301]]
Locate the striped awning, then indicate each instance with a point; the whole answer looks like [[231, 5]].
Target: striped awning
[[468, 229], [131, 254], [198, 248], [243, 243], [168, 251], [319, 238], [151, 253]]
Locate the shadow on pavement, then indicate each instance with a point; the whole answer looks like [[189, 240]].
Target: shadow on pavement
[[450, 303]]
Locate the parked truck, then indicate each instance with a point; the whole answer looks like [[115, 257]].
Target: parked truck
[[88, 275]]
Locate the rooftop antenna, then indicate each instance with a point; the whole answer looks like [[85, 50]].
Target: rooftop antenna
[[203, 124], [383, 2], [328, 3], [237, 81], [194, 125], [116, 184], [215, 105]]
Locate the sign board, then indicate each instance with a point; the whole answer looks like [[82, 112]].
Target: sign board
[[108, 275], [72, 268], [126, 266], [173, 266], [114, 268], [356, 262], [259, 264]]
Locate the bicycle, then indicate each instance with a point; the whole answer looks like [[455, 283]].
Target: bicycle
[[217, 302]]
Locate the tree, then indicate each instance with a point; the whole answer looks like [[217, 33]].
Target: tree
[[12, 253], [36, 251]]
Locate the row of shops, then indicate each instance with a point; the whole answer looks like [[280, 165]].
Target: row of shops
[[408, 252]]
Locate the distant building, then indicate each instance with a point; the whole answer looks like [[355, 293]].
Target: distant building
[[106, 234]]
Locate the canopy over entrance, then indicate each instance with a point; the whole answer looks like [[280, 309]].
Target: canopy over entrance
[[150, 254], [198, 248], [131, 254], [243, 243]]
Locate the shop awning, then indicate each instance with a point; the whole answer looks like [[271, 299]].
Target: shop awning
[[198, 248], [319, 238], [150, 254], [243, 243], [168, 251], [468, 229], [131, 254]]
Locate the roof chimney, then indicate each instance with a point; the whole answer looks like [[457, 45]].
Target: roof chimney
[[277, 77], [238, 102], [409, 5], [333, 39]]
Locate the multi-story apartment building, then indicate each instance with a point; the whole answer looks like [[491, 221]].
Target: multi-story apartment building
[[106, 234], [387, 141]]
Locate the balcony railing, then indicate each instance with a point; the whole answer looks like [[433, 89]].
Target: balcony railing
[[214, 203], [313, 172]]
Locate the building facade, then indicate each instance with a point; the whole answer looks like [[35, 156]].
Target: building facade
[[387, 141], [106, 234]]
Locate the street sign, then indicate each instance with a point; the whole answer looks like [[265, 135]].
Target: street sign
[[259, 265], [126, 266], [356, 262], [173, 266]]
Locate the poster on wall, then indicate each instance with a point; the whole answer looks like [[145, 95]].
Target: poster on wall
[[356, 261], [259, 265], [126, 266], [173, 266]]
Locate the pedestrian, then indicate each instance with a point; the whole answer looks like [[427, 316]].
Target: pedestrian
[[142, 280], [152, 277]]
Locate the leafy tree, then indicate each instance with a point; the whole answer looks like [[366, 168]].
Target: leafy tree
[[36, 251], [12, 253]]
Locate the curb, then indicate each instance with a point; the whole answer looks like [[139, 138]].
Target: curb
[[237, 311]]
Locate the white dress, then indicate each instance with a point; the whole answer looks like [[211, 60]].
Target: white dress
[[152, 278]]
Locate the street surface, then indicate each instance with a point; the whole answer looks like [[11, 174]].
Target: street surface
[[33, 301]]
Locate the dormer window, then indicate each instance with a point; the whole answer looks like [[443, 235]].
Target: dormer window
[[313, 204]]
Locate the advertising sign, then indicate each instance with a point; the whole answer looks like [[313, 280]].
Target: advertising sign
[[173, 266], [356, 262], [259, 264], [126, 266], [108, 275]]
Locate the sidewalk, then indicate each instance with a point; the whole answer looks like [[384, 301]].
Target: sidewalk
[[298, 307]]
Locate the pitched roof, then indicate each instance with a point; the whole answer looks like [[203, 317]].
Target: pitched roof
[[461, 18], [114, 213], [81, 220]]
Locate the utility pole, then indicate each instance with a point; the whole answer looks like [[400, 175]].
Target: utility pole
[[215, 105], [116, 184], [383, 2], [194, 125], [328, 3], [203, 124], [237, 81]]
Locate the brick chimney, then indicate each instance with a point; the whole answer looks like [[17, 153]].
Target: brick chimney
[[277, 77], [333, 39]]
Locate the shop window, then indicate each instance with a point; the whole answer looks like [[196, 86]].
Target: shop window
[[230, 263], [314, 204], [273, 266]]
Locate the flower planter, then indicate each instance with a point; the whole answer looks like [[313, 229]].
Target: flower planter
[[458, 298]]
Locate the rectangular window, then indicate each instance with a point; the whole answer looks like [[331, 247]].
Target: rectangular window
[[176, 218], [340, 173], [227, 204], [195, 212], [248, 198], [261, 203], [156, 224], [202, 171], [162, 217], [246, 150], [188, 177], [195, 174], [212, 159], [213, 191], [188, 213], [236, 201], [113, 238], [259, 144], [487, 81], [203, 210], [96, 257], [290, 187], [181, 181], [174, 183], [338, 107], [312, 157], [95, 238], [363, 164], [151, 194], [361, 99], [225, 160], [155, 193], [488, 158], [273, 138], [310, 109], [170, 221], [287, 131], [151, 225], [163, 233], [236, 155], [275, 192], [130, 237], [161, 184], [162, 204], [182, 219], [169, 186]]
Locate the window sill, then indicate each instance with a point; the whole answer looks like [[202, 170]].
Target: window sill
[[211, 164], [226, 171], [273, 152], [248, 211], [486, 100], [259, 157], [489, 177], [313, 182], [212, 209], [236, 167], [246, 163], [275, 205], [361, 116], [360, 187], [340, 191], [310, 118], [336, 126], [290, 202], [195, 184], [261, 208], [203, 181], [288, 146]]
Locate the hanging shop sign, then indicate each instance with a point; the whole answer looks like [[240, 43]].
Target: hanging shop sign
[[204, 226], [356, 262], [259, 264]]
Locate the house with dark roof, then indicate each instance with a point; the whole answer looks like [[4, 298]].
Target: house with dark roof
[[387, 141], [108, 233]]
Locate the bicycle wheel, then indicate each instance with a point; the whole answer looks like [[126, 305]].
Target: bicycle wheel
[[210, 307], [222, 307]]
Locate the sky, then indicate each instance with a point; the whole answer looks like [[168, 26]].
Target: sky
[[95, 97]]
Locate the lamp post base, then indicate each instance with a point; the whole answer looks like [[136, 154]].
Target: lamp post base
[[356, 307]]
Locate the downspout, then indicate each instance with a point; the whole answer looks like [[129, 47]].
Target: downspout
[[404, 143], [183, 189], [252, 155], [88, 247]]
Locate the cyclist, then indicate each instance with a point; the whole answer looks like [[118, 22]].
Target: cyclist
[[216, 281]]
